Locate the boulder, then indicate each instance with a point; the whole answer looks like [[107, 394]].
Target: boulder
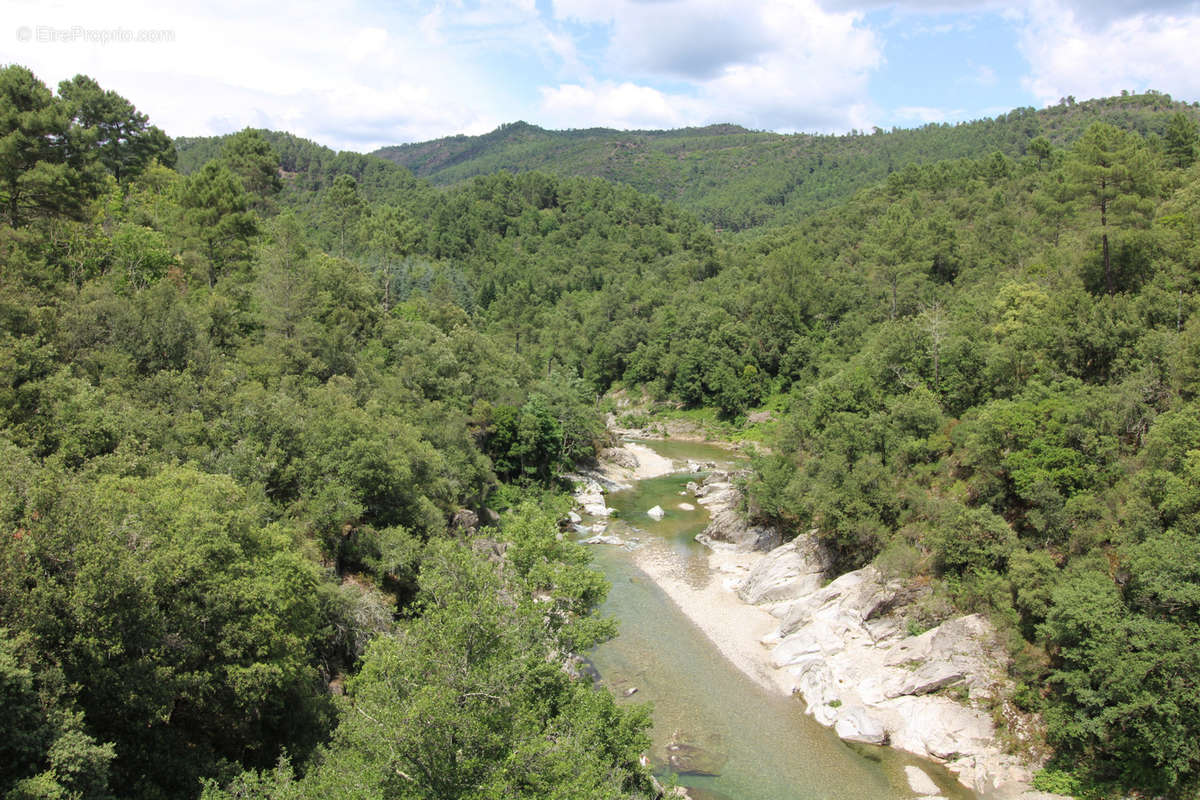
[[574, 518], [619, 456], [692, 487], [685, 756], [855, 724], [957, 651], [465, 520], [604, 539], [857, 597], [787, 572], [598, 510], [928, 678], [656, 513], [727, 530], [816, 684], [718, 496], [686, 507], [494, 551], [920, 782]]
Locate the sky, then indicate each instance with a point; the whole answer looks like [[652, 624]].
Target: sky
[[360, 74]]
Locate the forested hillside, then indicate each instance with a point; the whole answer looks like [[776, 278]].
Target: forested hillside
[[240, 471], [737, 179], [246, 405]]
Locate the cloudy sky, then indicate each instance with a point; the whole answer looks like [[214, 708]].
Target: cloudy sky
[[357, 75]]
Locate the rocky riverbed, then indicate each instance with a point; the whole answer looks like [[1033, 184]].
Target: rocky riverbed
[[843, 647]]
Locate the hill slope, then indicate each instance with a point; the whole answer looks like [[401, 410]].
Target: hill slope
[[734, 178]]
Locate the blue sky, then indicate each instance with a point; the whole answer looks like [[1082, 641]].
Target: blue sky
[[357, 75]]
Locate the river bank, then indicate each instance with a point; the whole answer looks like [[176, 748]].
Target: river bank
[[849, 669]]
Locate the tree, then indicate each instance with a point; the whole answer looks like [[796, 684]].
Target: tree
[[251, 157], [216, 211], [470, 699], [1113, 171], [125, 140], [181, 618], [1041, 149], [47, 165], [891, 247], [1182, 136], [344, 205], [1124, 703]]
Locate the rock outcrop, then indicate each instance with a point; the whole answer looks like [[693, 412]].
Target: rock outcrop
[[620, 457], [851, 659], [726, 528], [788, 572], [589, 495], [603, 539]]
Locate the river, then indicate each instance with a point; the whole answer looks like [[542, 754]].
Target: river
[[764, 745]]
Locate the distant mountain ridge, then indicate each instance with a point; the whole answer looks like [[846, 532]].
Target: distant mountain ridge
[[730, 177], [429, 158], [737, 178]]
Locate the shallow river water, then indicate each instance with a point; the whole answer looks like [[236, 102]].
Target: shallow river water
[[764, 744]]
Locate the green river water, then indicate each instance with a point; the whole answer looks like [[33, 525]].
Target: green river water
[[772, 749]]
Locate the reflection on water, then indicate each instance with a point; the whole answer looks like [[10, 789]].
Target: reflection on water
[[708, 715]]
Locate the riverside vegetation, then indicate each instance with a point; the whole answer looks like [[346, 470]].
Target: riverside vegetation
[[254, 408]]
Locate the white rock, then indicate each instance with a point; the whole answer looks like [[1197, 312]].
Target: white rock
[[855, 724], [574, 518], [787, 572], [604, 539], [655, 513], [686, 507], [727, 527], [920, 782], [597, 510]]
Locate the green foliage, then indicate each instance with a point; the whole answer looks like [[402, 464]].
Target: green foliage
[[125, 141], [1057, 781], [1124, 695], [215, 210], [179, 610], [242, 403], [1182, 136], [47, 164], [470, 698], [738, 179], [1114, 172], [966, 540], [251, 157]]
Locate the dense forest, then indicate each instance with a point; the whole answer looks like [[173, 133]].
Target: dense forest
[[735, 179], [256, 407]]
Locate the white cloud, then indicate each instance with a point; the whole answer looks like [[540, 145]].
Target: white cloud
[[781, 64], [361, 73], [331, 70], [624, 105], [1070, 55]]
